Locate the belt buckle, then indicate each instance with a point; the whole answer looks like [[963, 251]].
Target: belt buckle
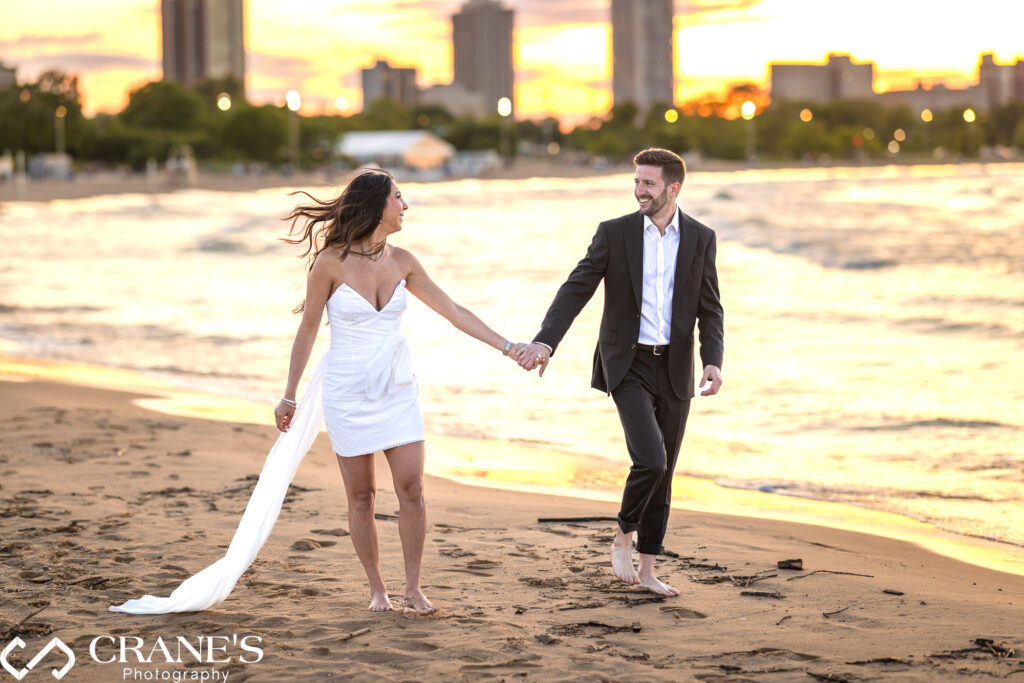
[[656, 350]]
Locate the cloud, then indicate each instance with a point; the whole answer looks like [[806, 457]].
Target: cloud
[[550, 13], [36, 42], [85, 62], [280, 66]]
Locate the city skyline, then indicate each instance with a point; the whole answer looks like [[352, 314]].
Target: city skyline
[[562, 52]]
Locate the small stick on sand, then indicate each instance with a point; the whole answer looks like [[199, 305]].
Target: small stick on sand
[[828, 571], [350, 636], [829, 614]]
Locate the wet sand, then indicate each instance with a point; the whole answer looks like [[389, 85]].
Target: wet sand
[[103, 501]]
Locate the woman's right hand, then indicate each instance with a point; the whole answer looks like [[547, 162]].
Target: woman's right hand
[[283, 415]]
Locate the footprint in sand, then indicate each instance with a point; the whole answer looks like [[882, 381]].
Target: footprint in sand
[[683, 613], [307, 544]]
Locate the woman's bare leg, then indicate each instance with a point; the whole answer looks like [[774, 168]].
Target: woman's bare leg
[[407, 473], [360, 489]]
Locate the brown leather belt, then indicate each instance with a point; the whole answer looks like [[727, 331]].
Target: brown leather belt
[[653, 350]]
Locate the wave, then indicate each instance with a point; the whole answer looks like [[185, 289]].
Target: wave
[[6, 309], [933, 423], [869, 499]]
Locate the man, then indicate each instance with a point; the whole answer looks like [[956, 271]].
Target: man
[[658, 266]]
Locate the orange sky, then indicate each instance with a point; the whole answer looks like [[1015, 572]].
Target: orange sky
[[563, 64]]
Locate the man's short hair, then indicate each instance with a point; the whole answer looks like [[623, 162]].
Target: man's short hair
[[673, 168]]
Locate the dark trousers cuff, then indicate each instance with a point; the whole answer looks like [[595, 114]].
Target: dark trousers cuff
[[627, 527], [649, 548]]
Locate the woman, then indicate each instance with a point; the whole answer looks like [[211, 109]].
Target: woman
[[363, 389], [370, 396]]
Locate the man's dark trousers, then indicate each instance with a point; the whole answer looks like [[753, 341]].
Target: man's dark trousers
[[653, 420]]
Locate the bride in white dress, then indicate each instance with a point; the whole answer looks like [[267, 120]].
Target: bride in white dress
[[370, 395], [370, 399]]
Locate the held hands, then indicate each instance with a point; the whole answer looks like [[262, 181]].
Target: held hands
[[714, 375], [532, 356], [283, 415]]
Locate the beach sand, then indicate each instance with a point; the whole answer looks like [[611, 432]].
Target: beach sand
[[102, 501]]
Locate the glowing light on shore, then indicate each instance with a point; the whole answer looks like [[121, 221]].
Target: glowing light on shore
[[748, 109], [806, 115], [671, 115], [504, 107], [899, 135], [293, 100], [894, 147], [969, 116], [869, 133], [224, 101], [926, 115]]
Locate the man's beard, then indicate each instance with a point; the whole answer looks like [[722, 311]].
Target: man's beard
[[656, 205]]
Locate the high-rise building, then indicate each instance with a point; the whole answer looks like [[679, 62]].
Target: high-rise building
[[482, 50], [384, 80], [203, 39], [838, 79], [8, 77], [642, 54]]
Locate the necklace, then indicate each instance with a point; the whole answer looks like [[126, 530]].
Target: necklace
[[375, 254]]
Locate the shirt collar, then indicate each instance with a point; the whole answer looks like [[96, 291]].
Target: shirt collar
[[673, 226]]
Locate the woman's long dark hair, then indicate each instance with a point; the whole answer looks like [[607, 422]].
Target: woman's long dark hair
[[349, 218]]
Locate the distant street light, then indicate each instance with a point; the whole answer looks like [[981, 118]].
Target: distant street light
[[504, 111], [504, 107], [224, 101], [293, 100], [806, 115], [671, 116], [58, 126], [926, 115], [970, 117], [748, 109]]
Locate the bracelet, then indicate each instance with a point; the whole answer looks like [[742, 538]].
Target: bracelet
[[508, 347], [288, 402]]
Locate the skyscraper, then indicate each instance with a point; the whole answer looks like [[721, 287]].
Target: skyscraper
[[642, 54], [203, 39], [384, 80], [482, 50]]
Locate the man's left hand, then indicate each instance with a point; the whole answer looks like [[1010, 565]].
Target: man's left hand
[[714, 375]]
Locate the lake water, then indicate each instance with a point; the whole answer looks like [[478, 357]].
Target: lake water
[[874, 320]]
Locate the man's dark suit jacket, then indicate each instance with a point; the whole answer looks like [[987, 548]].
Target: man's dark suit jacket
[[616, 256]]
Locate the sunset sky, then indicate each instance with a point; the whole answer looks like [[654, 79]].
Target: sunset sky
[[563, 61]]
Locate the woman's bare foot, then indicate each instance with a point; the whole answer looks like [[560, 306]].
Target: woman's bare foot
[[622, 558], [655, 586], [380, 602], [418, 601]]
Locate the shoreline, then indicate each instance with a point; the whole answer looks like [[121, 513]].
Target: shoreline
[[115, 183], [105, 500], [514, 467]]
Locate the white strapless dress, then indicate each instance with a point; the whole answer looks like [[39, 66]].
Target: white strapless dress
[[370, 395], [365, 391]]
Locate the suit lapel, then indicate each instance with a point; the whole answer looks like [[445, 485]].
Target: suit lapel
[[684, 257], [633, 236]]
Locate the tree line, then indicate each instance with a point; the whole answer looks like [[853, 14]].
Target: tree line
[[163, 115]]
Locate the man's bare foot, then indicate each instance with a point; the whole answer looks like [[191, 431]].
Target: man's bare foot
[[418, 601], [622, 558], [380, 602], [655, 586]]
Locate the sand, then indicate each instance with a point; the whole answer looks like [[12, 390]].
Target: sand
[[102, 501]]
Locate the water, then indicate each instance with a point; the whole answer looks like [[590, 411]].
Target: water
[[874, 320]]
